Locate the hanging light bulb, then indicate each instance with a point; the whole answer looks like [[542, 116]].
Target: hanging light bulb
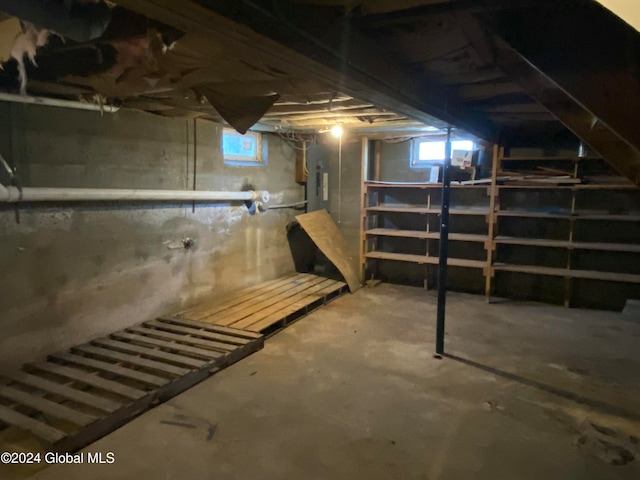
[[337, 131]]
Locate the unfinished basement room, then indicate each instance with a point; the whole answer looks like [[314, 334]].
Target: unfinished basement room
[[320, 239]]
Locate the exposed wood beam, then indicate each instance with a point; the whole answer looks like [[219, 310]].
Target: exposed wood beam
[[381, 83], [484, 91], [415, 12], [599, 67], [333, 115], [318, 108], [575, 116]]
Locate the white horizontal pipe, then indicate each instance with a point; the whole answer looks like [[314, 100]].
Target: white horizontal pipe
[[55, 102], [27, 194]]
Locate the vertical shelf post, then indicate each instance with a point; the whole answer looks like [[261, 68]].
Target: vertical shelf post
[[492, 227], [364, 169]]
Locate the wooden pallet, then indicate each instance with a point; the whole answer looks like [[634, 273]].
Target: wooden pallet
[[78, 396], [269, 306]]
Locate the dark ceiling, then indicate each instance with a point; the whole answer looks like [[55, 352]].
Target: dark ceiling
[[541, 72]]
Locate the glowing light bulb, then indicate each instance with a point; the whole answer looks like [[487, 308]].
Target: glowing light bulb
[[337, 131]]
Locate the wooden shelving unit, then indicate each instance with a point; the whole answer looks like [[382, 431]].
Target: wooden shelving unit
[[384, 203], [573, 213], [419, 202]]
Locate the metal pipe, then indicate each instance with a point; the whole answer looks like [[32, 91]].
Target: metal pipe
[[444, 245], [56, 102], [340, 179], [28, 194]]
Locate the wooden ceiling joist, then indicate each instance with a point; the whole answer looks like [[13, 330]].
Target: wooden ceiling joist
[[361, 71]]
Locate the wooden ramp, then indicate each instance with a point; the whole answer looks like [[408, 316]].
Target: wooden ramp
[[269, 306], [78, 396]]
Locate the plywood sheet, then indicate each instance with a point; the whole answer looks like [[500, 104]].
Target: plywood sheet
[[325, 234]]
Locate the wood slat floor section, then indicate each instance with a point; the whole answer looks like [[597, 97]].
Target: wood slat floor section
[[75, 397], [268, 306]]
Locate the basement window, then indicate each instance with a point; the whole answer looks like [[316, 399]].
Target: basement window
[[427, 152], [243, 150]]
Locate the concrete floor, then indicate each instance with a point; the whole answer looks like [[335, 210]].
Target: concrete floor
[[352, 391]]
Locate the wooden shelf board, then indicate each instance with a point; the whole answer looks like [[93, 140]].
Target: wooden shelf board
[[543, 242], [550, 159], [389, 232], [525, 214], [563, 272], [613, 218], [423, 259], [422, 186], [586, 186], [404, 209], [425, 210]]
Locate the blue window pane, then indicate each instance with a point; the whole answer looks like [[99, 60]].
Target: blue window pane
[[239, 145]]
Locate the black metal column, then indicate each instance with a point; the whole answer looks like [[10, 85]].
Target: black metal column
[[444, 245]]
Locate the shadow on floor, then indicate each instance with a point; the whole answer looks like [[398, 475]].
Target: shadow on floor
[[574, 397]]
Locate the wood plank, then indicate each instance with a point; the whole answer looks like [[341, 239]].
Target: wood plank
[[494, 202], [223, 347], [69, 393], [329, 239], [23, 422], [423, 259], [46, 407], [237, 297], [90, 378], [413, 185], [426, 210], [232, 333], [244, 296], [246, 309], [277, 307], [551, 159], [294, 307], [167, 344], [567, 216], [609, 218], [542, 242], [124, 372], [214, 349], [563, 272], [216, 332], [132, 360], [153, 353], [261, 305], [526, 214], [362, 217], [583, 186], [463, 237]]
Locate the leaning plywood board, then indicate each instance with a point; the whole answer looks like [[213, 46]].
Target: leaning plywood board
[[325, 234]]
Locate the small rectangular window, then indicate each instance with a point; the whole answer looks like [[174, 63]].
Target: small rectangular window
[[427, 152], [242, 149]]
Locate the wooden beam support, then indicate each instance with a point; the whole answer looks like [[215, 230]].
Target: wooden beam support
[[567, 109], [598, 68]]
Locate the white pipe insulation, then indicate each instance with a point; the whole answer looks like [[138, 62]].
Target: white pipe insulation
[[30, 194], [54, 102]]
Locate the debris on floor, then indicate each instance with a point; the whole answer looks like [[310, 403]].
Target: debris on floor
[[373, 283], [607, 444]]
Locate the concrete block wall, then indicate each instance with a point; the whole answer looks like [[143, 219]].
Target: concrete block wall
[[74, 272]]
